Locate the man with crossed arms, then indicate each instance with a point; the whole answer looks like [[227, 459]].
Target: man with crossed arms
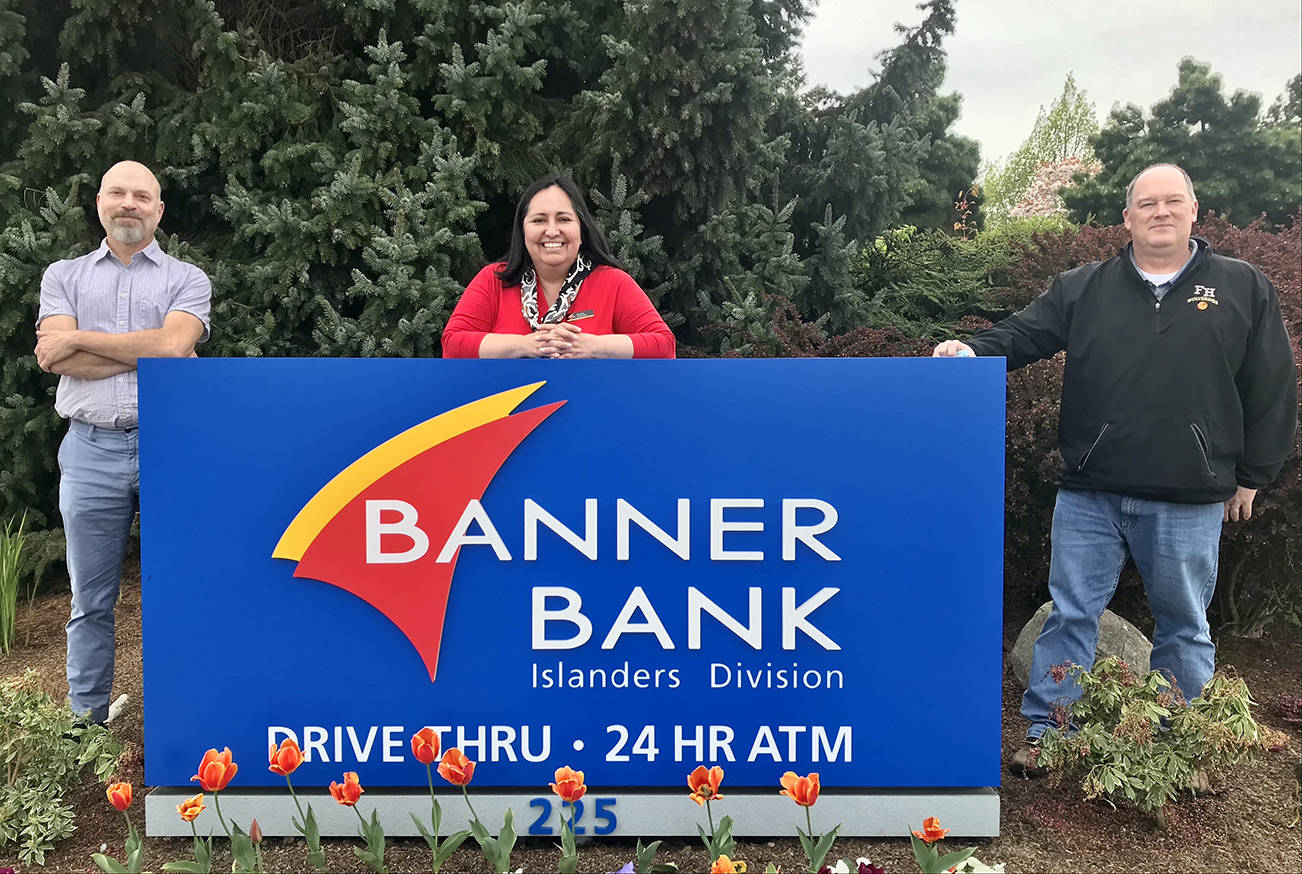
[[99, 315], [1179, 401]]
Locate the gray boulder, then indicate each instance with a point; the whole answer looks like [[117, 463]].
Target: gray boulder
[[1117, 637]]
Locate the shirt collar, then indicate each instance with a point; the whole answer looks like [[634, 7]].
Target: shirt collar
[[1193, 252], [153, 251]]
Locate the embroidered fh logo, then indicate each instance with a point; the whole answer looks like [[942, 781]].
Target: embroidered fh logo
[[1203, 295], [434, 469]]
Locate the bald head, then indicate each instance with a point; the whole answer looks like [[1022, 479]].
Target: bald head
[[129, 206], [133, 174], [1188, 182]]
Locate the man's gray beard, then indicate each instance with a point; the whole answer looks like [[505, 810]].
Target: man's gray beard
[[126, 234]]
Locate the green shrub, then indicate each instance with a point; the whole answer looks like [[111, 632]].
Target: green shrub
[[43, 753], [1137, 740]]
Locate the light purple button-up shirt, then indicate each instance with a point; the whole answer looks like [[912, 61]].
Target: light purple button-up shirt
[[103, 294]]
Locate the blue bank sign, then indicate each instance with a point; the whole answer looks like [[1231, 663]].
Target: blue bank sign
[[627, 567]]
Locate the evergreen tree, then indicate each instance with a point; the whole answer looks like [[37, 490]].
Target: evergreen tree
[[1242, 166], [334, 165], [749, 252], [1286, 111], [684, 106], [947, 170]]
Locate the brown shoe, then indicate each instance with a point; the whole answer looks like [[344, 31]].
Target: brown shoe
[[1025, 763]]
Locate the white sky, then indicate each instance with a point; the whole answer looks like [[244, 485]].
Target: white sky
[[1009, 57]]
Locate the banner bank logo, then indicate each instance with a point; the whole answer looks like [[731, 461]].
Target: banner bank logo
[[442, 467]]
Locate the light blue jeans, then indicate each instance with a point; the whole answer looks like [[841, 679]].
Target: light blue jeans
[[1175, 547], [99, 490]]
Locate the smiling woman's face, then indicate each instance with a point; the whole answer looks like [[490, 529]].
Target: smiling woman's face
[[552, 235]]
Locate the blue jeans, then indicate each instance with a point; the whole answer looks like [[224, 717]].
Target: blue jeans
[[99, 490], [1175, 547]]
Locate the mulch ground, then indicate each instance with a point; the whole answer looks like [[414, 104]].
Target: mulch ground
[[1249, 822]]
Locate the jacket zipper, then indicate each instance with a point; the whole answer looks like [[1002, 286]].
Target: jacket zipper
[[1202, 448], [1086, 457]]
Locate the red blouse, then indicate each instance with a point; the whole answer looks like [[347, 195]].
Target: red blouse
[[618, 304]]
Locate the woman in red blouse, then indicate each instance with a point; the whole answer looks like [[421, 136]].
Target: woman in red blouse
[[558, 294]]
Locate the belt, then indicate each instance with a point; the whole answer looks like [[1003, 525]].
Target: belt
[[83, 424]]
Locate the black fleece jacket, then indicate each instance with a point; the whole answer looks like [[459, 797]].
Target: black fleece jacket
[[1173, 401]]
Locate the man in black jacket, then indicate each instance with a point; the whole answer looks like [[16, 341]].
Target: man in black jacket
[[1179, 401]]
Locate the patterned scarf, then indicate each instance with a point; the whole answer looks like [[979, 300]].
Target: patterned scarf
[[561, 307]]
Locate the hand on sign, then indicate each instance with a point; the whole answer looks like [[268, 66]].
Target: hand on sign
[[952, 349]]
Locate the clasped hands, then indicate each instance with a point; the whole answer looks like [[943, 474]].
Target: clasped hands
[[561, 340]]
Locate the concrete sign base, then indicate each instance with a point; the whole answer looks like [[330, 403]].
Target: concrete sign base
[[869, 813]]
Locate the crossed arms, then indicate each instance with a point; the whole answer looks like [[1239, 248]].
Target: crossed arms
[[62, 348]]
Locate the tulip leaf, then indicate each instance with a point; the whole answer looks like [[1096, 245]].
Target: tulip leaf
[[924, 853], [373, 835], [430, 840], [707, 840], [202, 863], [497, 852], [242, 851], [646, 857], [567, 839], [203, 853], [449, 847], [569, 862], [506, 841], [723, 840], [132, 848], [821, 849], [807, 844], [108, 864], [951, 860]]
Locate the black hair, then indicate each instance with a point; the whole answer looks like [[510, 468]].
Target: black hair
[[594, 245]]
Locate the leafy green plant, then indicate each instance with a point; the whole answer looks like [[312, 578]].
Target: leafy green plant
[[645, 859], [11, 550], [1136, 738], [43, 752]]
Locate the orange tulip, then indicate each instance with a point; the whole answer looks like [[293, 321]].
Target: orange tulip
[[802, 790], [215, 771], [569, 784], [456, 768], [425, 746], [190, 808], [286, 758], [349, 791], [724, 865], [119, 795], [704, 783], [931, 830]]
